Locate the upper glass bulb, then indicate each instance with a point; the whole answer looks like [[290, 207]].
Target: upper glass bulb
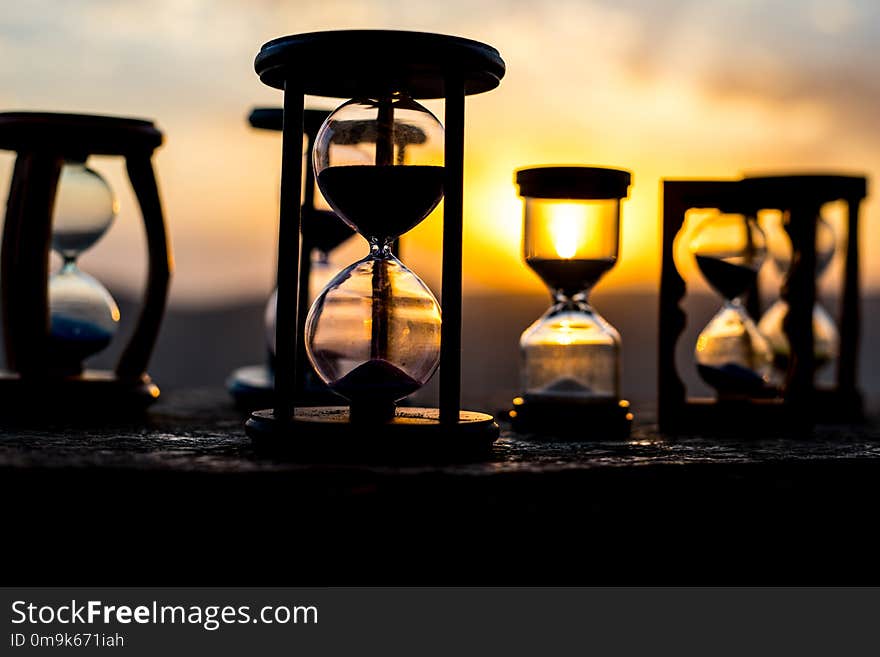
[[729, 250], [570, 243], [779, 244], [379, 164], [85, 207]]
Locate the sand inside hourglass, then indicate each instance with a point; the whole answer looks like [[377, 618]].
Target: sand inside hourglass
[[730, 276], [375, 381], [735, 361], [382, 201], [570, 275]]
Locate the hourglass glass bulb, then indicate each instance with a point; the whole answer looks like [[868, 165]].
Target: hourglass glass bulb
[[779, 244], [85, 207], [378, 163], [729, 250], [374, 349], [83, 316], [321, 273]]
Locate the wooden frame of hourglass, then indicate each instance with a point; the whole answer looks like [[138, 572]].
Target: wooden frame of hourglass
[[349, 64], [251, 386], [43, 142], [800, 402]]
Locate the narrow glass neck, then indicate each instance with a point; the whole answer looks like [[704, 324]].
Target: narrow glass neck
[[68, 264], [380, 248], [561, 296], [579, 303]]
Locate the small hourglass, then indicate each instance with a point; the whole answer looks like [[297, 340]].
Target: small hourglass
[[83, 317], [826, 340], [571, 354], [373, 335], [731, 354]]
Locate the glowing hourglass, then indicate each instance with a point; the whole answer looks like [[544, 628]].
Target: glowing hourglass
[[826, 340], [571, 354], [83, 317], [373, 335], [731, 354]]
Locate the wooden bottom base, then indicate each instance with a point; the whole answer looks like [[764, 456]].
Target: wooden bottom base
[[92, 393], [762, 417], [558, 420], [326, 433]]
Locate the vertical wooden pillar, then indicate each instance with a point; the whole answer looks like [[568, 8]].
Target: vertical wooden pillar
[[799, 291], [850, 316], [670, 388], [133, 362], [289, 252], [25, 258], [453, 208]]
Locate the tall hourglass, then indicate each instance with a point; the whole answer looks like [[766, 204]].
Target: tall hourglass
[[373, 335], [382, 162], [571, 354], [731, 354], [826, 340]]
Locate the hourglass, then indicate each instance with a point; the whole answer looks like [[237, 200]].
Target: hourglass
[[251, 386], [801, 200], [383, 162], [83, 316], [571, 354], [826, 340], [732, 354], [52, 324]]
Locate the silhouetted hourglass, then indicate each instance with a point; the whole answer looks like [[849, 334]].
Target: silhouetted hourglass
[[55, 321], [731, 354], [373, 335], [826, 340], [83, 317], [382, 162]]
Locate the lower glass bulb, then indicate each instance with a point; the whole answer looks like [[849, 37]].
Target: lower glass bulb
[[732, 356], [826, 339], [571, 354], [83, 318], [373, 335]]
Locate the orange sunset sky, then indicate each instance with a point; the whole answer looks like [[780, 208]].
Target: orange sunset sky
[[665, 89]]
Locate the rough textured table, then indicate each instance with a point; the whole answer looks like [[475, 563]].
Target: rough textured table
[[183, 498]]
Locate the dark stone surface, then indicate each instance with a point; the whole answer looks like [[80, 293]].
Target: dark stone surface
[[183, 498]]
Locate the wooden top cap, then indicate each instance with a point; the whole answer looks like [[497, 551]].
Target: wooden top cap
[[357, 63]]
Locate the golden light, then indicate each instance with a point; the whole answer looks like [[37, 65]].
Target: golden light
[[564, 334], [567, 228]]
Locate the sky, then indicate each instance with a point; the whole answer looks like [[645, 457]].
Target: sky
[[678, 88]]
